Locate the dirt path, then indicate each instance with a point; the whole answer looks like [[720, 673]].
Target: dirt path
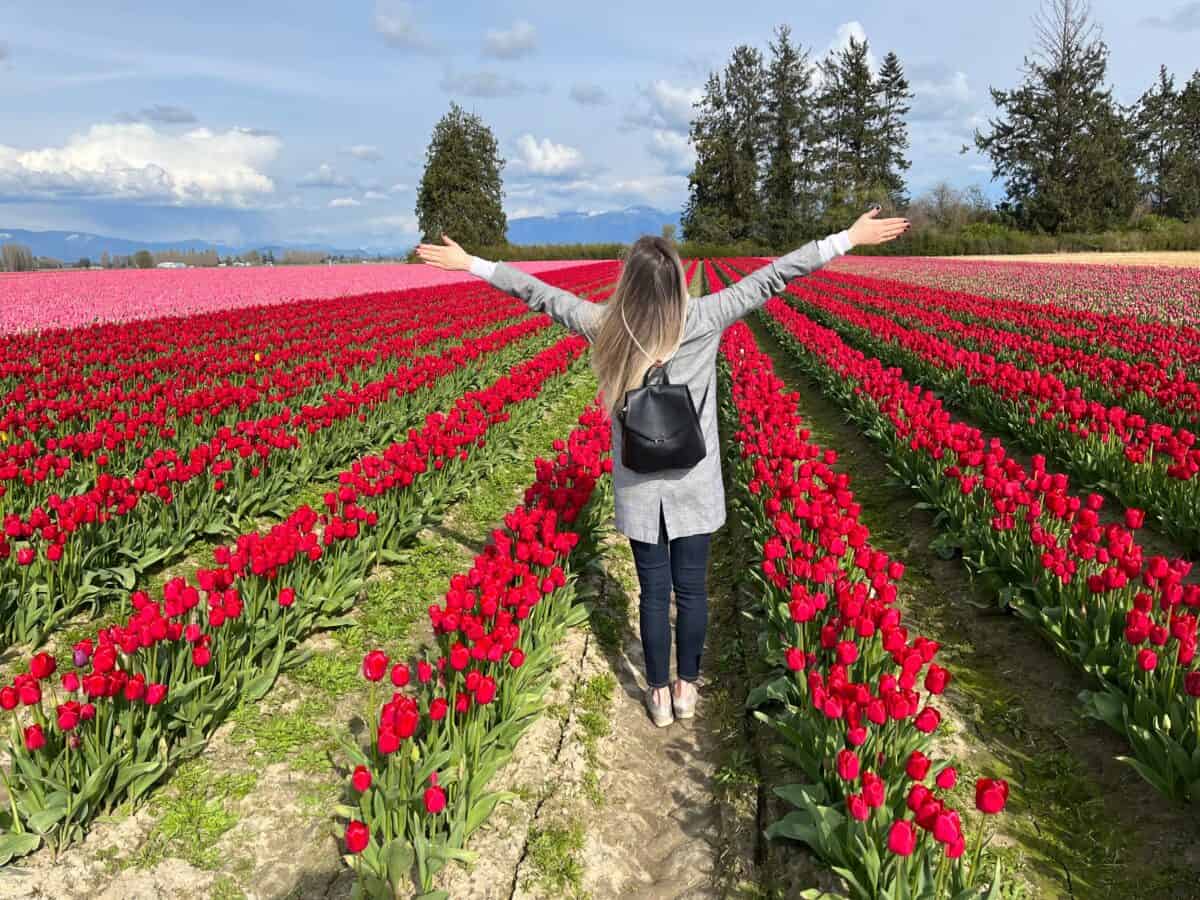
[[657, 834], [608, 805], [1081, 824]]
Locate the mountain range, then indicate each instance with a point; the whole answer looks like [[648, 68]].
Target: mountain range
[[621, 226], [70, 246]]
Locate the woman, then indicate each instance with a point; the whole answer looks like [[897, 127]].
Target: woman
[[668, 516]]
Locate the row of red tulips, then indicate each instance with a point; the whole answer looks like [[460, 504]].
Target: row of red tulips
[[76, 403], [104, 421], [1123, 337], [1144, 297], [452, 718], [855, 705], [64, 427], [1162, 392], [97, 543], [1148, 465], [94, 544], [141, 696], [89, 431], [1125, 618]]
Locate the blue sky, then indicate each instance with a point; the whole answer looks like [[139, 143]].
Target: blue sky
[[306, 121]]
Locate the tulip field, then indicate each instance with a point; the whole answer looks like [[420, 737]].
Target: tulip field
[[309, 585]]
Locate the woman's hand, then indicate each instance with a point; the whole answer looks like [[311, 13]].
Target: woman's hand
[[451, 257], [870, 229]]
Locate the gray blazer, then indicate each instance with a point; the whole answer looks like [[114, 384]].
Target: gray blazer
[[690, 501]]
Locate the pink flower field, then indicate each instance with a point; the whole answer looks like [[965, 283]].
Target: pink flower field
[[1165, 293], [40, 300]]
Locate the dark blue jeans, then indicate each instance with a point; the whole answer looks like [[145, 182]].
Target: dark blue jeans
[[683, 564]]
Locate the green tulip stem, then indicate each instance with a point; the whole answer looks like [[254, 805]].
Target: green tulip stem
[[978, 848], [18, 825]]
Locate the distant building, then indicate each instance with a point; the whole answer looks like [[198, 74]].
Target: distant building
[[171, 265]]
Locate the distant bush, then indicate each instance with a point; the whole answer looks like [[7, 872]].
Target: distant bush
[[16, 258]]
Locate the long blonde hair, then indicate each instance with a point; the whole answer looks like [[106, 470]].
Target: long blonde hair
[[648, 308]]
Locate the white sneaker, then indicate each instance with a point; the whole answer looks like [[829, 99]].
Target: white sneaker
[[685, 706], [660, 710]]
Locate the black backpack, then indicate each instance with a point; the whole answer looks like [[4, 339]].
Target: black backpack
[[660, 426]]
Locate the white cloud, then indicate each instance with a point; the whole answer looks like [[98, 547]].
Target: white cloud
[[365, 152], [374, 195], [855, 30], [133, 161], [512, 43], [600, 192], [589, 95], [547, 158], [326, 176], [939, 93], [398, 188], [342, 202], [664, 106], [946, 110], [674, 149], [395, 23], [384, 225], [486, 84], [525, 212]]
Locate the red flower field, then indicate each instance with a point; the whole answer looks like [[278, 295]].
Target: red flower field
[[339, 533]]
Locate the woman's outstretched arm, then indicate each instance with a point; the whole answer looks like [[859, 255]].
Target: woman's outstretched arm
[[724, 308], [562, 306]]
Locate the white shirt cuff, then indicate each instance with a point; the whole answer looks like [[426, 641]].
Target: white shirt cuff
[[482, 268], [834, 246]]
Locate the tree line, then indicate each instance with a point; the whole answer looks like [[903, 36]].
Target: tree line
[[793, 147], [16, 257], [1074, 159]]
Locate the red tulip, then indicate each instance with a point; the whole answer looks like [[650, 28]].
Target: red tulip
[[927, 720], [991, 795], [918, 766], [35, 739], [857, 807], [361, 779], [847, 765], [902, 837], [947, 778], [42, 666], [357, 837], [375, 665], [435, 800], [400, 674]]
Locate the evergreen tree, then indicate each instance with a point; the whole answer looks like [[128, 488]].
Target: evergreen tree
[[744, 85], [461, 191], [729, 136], [789, 195], [892, 133], [1155, 124], [851, 117], [1183, 185], [1061, 143], [704, 215]]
